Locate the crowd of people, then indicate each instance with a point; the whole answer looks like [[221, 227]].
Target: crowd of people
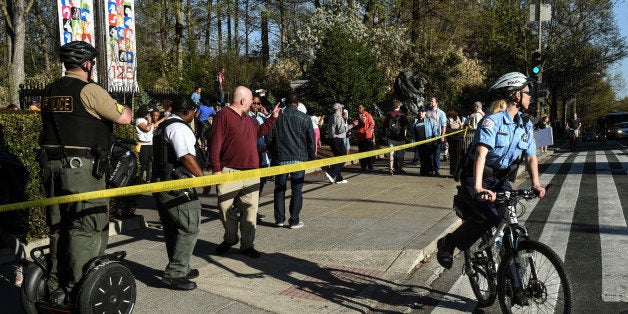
[[247, 133]]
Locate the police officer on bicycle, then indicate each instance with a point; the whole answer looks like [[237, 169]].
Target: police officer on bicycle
[[499, 141], [77, 118]]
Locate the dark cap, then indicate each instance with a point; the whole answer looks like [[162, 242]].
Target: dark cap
[[182, 103]]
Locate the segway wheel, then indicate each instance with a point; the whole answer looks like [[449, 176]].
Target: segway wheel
[[109, 288], [33, 288]]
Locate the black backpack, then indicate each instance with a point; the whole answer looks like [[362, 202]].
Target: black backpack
[[394, 125]]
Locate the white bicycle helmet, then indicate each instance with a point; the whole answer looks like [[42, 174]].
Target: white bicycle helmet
[[510, 82]]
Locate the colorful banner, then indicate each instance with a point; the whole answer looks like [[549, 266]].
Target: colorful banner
[[76, 20], [121, 44]]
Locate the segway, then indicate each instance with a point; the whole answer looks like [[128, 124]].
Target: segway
[[108, 286]]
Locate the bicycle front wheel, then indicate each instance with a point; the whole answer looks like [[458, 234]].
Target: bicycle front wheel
[[544, 286], [480, 269]]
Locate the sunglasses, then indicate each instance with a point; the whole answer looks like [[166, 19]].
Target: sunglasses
[[257, 103]]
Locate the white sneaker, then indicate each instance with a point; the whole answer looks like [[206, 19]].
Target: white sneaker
[[297, 226], [342, 182], [331, 180]]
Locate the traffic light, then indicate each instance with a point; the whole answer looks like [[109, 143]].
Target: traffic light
[[536, 61]]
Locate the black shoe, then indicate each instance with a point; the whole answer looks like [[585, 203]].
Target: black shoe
[[181, 283], [192, 274], [252, 252], [223, 247], [436, 173], [401, 171], [445, 254], [260, 217], [57, 297]]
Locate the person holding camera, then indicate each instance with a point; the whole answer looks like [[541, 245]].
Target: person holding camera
[[498, 142], [179, 210], [77, 127]]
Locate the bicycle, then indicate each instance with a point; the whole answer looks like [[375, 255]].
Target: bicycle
[[522, 272]]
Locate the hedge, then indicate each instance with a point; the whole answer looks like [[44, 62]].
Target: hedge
[[21, 133]]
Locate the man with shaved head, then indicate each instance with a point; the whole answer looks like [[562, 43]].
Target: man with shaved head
[[234, 148]]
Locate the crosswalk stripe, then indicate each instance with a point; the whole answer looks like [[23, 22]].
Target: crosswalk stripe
[[614, 242], [459, 299], [558, 225]]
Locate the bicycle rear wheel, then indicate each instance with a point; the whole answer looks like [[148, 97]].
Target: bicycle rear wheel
[[480, 269], [545, 287]]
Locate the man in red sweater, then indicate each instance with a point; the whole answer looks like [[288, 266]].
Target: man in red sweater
[[364, 135], [234, 148]]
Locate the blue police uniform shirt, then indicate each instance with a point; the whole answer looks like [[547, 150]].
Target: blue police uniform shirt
[[505, 138]]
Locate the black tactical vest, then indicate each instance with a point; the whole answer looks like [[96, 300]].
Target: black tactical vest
[[164, 157], [63, 114]]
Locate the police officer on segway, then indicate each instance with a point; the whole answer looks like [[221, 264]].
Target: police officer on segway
[[77, 117]]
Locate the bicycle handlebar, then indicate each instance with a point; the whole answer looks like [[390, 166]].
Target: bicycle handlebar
[[505, 196]]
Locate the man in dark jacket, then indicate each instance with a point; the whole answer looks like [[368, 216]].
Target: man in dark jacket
[[296, 144]]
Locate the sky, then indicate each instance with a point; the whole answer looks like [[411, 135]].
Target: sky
[[621, 16]]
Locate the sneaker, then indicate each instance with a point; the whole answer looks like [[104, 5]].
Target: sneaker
[[279, 224], [445, 254], [181, 283], [297, 226], [342, 182], [260, 217], [331, 180], [192, 274], [436, 173], [223, 247], [252, 253], [401, 171]]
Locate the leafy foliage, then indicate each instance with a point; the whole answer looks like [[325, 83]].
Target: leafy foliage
[[345, 71]]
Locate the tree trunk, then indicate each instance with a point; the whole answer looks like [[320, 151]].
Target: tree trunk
[[282, 27], [16, 40], [208, 27], [219, 26], [247, 22], [265, 44], [178, 37], [229, 38], [236, 18]]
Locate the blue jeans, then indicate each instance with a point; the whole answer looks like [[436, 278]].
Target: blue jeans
[[296, 200], [436, 157]]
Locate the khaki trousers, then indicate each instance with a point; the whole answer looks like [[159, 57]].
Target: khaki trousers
[[237, 207]]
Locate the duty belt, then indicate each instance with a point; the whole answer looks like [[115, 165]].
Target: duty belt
[[56, 152]]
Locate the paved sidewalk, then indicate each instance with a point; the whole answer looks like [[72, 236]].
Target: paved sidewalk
[[359, 241]]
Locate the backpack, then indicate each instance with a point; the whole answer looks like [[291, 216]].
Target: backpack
[[394, 125], [455, 124]]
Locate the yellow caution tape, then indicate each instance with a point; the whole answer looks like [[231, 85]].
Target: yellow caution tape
[[210, 179]]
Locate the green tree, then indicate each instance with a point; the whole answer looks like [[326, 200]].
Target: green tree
[[345, 71]]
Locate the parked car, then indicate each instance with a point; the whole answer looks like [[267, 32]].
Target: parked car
[[589, 136], [620, 130]]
